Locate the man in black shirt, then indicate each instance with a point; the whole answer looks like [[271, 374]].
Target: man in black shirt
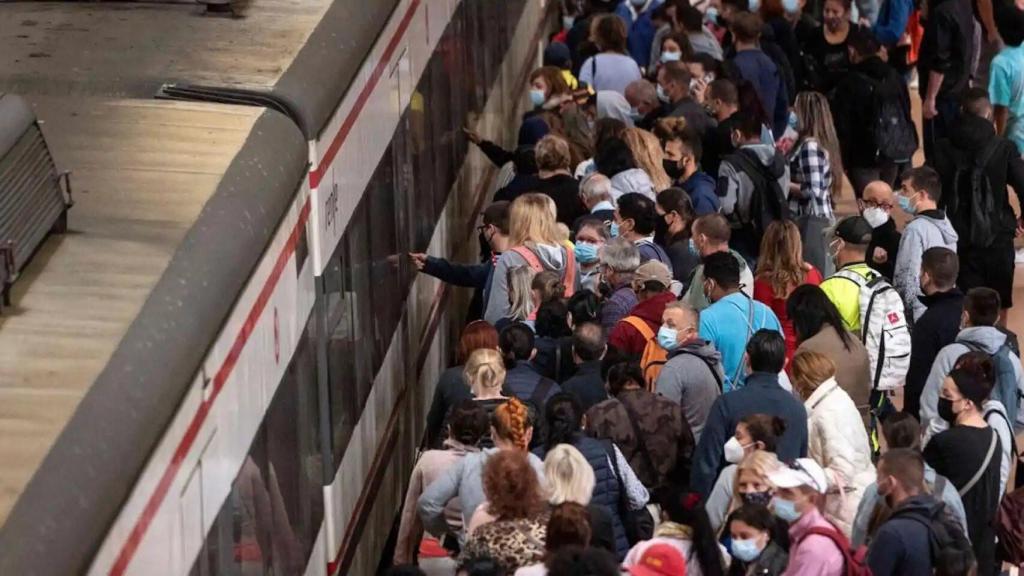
[[723, 102], [944, 67], [879, 200]]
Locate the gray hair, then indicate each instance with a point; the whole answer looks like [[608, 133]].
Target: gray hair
[[642, 91], [595, 188], [688, 311], [520, 292], [621, 255], [570, 478]]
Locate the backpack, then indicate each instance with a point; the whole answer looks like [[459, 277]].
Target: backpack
[[768, 202], [883, 328], [654, 356], [568, 278], [854, 561], [969, 199], [944, 532], [894, 131], [1009, 525], [1005, 389]]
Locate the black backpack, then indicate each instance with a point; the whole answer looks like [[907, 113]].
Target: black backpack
[[768, 201], [944, 532], [894, 130], [969, 199]]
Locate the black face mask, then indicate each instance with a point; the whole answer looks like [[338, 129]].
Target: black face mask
[[673, 169], [760, 498], [946, 411]]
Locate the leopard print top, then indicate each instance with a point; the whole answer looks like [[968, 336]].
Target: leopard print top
[[511, 543]]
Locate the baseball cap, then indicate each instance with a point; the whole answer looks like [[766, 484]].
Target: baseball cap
[[799, 472], [854, 229], [652, 270], [660, 560]]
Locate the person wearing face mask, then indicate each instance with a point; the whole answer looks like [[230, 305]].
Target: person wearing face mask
[[684, 526], [494, 228], [636, 220], [837, 438], [848, 249], [636, 14], [938, 326], [591, 235], [676, 213], [754, 551], [649, 429], [619, 261], [929, 227], [815, 542], [903, 544], [709, 235], [751, 455], [902, 431], [702, 40], [762, 394], [828, 46], [692, 374], [632, 334], [675, 47], [683, 151], [722, 101], [968, 453], [878, 202], [674, 92]]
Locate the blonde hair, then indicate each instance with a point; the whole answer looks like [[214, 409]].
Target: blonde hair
[[532, 220], [549, 285], [649, 156], [485, 371], [759, 462], [810, 369], [569, 476], [520, 292], [815, 121], [552, 153], [781, 263]]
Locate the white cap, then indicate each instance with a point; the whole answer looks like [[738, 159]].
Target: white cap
[[799, 472]]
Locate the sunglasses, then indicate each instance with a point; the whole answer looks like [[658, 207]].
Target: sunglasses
[[796, 465]]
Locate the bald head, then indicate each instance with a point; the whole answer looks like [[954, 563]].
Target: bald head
[[879, 194], [642, 95], [588, 342]]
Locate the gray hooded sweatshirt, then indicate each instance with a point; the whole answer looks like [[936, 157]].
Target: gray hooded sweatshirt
[[988, 339], [686, 379], [739, 188], [551, 258], [927, 230], [632, 180]]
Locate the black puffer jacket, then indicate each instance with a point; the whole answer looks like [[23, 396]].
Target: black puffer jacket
[[853, 109]]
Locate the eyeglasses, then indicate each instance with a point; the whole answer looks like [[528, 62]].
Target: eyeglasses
[[796, 465], [882, 205]]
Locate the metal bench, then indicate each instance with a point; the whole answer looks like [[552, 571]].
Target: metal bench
[[34, 197]]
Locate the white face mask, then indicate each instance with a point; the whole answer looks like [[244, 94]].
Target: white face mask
[[875, 216], [734, 451]]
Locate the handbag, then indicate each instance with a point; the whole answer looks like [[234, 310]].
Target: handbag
[[639, 524]]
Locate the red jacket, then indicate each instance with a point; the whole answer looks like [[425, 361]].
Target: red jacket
[[628, 339]]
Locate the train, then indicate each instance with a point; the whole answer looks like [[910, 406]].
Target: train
[[223, 363]]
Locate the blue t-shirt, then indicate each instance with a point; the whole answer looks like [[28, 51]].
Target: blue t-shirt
[[1006, 88], [728, 324]]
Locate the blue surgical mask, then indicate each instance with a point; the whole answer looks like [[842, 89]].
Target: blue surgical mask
[[711, 15], [785, 509], [586, 253], [745, 550], [755, 5], [637, 3], [537, 98], [693, 248], [662, 95], [906, 204], [791, 6], [635, 115], [613, 229], [671, 56], [568, 21], [668, 338]]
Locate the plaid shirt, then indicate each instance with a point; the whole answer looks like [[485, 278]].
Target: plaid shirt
[[809, 166]]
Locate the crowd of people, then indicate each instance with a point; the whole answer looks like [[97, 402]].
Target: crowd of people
[[684, 358]]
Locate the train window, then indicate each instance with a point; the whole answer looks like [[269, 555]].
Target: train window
[[271, 518], [380, 198]]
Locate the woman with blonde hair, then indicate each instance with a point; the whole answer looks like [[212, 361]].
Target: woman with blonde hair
[[649, 156], [485, 372], [570, 478], [535, 243], [780, 269], [836, 437], [815, 162]]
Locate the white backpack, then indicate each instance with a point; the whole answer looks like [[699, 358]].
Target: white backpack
[[883, 329]]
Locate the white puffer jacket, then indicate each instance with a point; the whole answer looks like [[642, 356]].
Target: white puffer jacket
[[838, 441]]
